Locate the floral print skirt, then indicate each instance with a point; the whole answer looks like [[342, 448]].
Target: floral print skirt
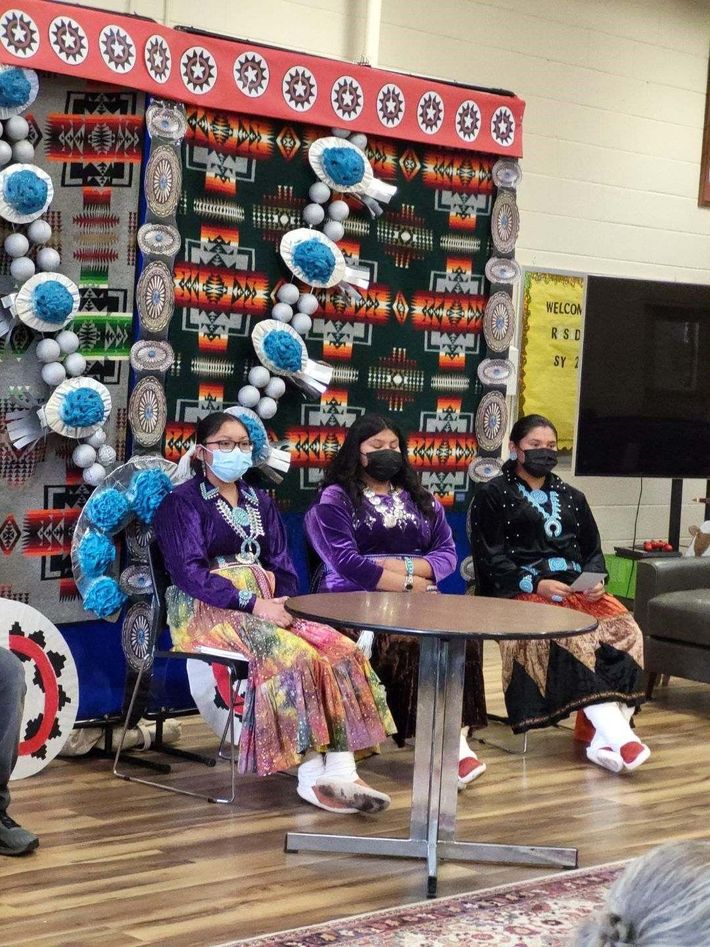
[[309, 687]]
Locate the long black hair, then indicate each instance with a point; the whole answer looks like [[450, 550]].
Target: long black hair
[[524, 425], [345, 469]]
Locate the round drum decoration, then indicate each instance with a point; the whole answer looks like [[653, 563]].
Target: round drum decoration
[[209, 686], [491, 421], [155, 297], [158, 240], [499, 322], [52, 698], [149, 356], [147, 412], [163, 181], [505, 222], [135, 635], [136, 581], [484, 469], [495, 371]]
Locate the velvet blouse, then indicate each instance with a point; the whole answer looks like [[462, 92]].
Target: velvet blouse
[[512, 548], [194, 526], [347, 540]]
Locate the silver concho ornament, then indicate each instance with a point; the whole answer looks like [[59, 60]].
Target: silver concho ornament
[[499, 322], [147, 412], [491, 420], [163, 181], [505, 222], [166, 122], [135, 580], [155, 297], [158, 240], [135, 635]]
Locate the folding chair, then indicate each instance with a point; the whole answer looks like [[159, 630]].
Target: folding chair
[[236, 664]]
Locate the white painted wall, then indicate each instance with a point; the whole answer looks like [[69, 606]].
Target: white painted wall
[[615, 93]]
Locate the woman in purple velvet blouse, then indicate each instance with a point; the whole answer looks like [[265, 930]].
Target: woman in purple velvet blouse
[[310, 690], [374, 526]]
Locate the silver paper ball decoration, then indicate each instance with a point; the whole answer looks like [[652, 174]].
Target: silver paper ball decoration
[[5, 153], [308, 303], [288, 293], [22, 268], [75, 364], [282, 312], [16, 245], [48, 260], [94, 475], [68, 341], [338, 210], [259, 376], [53, 373], [23, 151], [106, 455], [16, 128], [319, 192], [266, 408], [302, 323], [97, 439], [333, 230], [313, 214], [39, 231], [248, 396], [48, 350], [83, 455], [275, 389]]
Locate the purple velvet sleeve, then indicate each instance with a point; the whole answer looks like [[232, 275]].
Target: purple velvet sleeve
[[180, 534], [441, 554], [329, 526], [274, 554]]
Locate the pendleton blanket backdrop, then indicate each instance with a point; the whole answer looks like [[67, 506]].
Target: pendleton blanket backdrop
[[411, 347]]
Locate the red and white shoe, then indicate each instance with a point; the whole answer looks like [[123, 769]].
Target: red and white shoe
[[634, 753], [470, 768], [606, 757]]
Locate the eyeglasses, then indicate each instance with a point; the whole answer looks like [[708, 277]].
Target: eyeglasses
[[227, 446]]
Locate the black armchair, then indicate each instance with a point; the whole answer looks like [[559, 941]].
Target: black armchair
[[672, 607]]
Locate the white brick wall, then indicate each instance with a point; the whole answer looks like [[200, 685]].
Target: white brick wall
[[615, 96]]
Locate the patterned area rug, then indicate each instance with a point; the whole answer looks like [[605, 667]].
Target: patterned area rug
[[541, 913]]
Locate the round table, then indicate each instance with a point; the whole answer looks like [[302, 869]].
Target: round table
[[443, 623]]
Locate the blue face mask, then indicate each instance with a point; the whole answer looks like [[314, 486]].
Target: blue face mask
[[230, 466]]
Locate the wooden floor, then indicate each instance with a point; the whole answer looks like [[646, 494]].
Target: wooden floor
[[123, 864]]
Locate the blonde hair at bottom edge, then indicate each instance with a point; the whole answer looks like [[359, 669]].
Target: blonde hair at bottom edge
[[661, 900]]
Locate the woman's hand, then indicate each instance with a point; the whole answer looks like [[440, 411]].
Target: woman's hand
[[552, 589], [594, 594], [272, 609]]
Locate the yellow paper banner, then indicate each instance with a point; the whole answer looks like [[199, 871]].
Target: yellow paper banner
[[551, 346]]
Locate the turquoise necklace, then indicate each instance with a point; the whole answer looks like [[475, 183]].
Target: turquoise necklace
[[536, 498]]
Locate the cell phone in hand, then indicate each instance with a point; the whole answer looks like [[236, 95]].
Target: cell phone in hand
[[587, 580]]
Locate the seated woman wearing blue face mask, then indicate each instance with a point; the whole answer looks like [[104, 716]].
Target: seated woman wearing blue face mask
[[309, 689], [532, 535]]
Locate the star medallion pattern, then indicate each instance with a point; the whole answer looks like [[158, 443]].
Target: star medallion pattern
[[468, 120], [68, 40], [198, 69], [299, 88], [19, 34], [503, 126], [430, 113], [251, 74], [347, 98], [158, 59], [117, 48], [390, 105]]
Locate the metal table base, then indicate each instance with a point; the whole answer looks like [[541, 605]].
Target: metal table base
[[435, 786]]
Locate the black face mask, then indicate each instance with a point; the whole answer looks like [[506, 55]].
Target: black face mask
[[383, 464], [539, 461]]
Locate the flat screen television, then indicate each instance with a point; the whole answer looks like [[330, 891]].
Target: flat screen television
[[644, 397]]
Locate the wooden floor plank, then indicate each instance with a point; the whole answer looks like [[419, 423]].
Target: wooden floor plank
[[124, 864]]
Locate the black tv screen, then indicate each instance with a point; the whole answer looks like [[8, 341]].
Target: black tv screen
[[644, 400]]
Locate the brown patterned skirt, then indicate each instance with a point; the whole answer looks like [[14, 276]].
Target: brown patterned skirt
[[544, 681]]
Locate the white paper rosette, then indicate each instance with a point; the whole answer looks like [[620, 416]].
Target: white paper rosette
[[294, 238], [313, 377], [7, 210], [50, 415], [367, 187], [7, 110], [25, 305]]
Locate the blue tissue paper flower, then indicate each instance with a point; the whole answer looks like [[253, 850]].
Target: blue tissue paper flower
[[315, 260], [15, 88], [283, 350], [96, 553], [146, 492], [82, 407], [255, 430], [104, 597], [25, 191], [52, 301], [345, 166], [108, 509]]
